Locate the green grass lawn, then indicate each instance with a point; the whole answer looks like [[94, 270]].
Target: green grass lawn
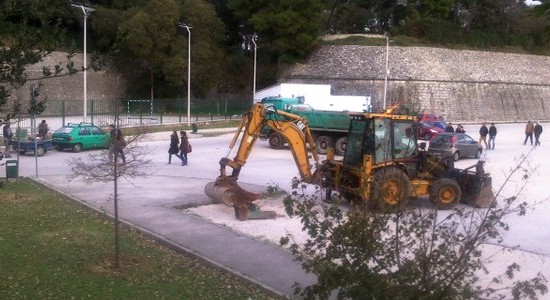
[[54, 248]]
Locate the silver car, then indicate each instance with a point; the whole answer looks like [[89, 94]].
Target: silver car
[[455, 145]]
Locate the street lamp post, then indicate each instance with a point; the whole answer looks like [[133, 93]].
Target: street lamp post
[[387, 70], [188, 72], [253, 39], [86, 12]]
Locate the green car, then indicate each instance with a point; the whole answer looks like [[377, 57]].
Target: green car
[[79, 136]]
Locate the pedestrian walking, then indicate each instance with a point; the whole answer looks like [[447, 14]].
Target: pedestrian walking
[[7, 135], [459, 129], [116, 144], [174, 148], [483, 131], [449, 127], [492, 136], [537, 131], [184, 147], [529, 129], [43, 129]]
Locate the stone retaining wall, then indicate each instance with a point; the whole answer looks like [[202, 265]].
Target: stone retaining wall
[[463, 86]]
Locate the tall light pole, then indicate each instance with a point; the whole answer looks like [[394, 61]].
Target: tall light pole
[[387, 70], [188, 27], [85, 11], [253, 39]]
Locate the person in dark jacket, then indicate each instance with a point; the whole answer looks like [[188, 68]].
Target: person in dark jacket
[[492, 136], [116, 144], [538, 131], [184, 147], [174, 149], [460, 129], [449, 127], [483, 131], [7, 135]]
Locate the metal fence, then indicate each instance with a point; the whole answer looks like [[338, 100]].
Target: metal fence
[[137, 112]]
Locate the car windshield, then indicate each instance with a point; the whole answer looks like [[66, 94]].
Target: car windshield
[[440, 139], [64, 130]]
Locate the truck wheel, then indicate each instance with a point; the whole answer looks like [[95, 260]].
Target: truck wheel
[[340, 146], [445, 193], [391, 189], [40, 150], [276, 141], [58, 148], [322, 143], [77, 148]]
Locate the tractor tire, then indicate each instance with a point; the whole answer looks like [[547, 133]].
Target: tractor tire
[[340, 146], [322, 143], [276, 141], [391, 189], [445, 193]]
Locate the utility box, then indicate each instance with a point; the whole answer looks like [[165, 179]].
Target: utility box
[[12, 169]]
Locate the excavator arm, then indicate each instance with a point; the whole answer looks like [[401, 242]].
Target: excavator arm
[[292, 127]]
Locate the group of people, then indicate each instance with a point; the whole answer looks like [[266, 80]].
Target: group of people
[[179, 146], [450, 128], [531, 129], [7, 134]]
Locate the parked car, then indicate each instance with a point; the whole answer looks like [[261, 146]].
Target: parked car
[[427, 131], [455, 145], [427, 117], [79, 136], [439, 123]]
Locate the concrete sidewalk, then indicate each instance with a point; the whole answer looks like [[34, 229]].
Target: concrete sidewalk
[[148, 205]]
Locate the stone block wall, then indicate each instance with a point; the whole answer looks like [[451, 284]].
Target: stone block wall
[[101, 85], [463, 86]]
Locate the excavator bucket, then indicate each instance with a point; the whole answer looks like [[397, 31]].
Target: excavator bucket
[[230, 193], [477, 187]]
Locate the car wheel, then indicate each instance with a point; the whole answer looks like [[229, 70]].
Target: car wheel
[[40, 150], [445, 193], [77, 148], [478, 153], [276, 141], [340, 146], [22, 151], [456, 156], [322, 143]]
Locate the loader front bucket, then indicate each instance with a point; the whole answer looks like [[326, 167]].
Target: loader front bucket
[[477, 187], [228, 192]]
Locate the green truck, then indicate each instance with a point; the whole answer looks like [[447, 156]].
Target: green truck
[[329, 128]]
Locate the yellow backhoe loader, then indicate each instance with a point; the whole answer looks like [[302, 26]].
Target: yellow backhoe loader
[[382, 167]]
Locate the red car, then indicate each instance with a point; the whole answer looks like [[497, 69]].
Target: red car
[[426, 131], [428, 117]]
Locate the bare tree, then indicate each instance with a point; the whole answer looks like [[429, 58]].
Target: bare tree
[[109, 167], [413, 253]]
